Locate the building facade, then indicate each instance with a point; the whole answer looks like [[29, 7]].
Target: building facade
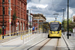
[[73, 18], [19, 19], [38, 19]]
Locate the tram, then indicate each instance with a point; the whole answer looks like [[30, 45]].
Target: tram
[[54, 29]]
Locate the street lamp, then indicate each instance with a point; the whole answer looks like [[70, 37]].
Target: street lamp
[[63, 19], [63, 13], [10, 17], [30, 20], [39, 22], [67, 19], [3, 19]]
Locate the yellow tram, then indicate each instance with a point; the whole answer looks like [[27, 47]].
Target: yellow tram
[[54, 29]]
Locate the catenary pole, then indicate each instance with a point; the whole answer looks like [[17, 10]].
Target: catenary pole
[[67, 19]]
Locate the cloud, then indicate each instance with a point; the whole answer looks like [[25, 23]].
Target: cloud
[[49, 7], [41, 6], [72, 3], [28, 1], [50, 19], [37, 5]]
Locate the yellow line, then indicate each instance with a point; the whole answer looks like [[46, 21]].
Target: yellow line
[[17, 35], [28, 36]]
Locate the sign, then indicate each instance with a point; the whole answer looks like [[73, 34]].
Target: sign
[[54, 23], [10, 21]]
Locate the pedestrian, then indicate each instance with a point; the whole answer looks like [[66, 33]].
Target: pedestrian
[[33, 29]]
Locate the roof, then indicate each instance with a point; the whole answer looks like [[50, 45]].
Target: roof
[[54, 21], [34, 15]]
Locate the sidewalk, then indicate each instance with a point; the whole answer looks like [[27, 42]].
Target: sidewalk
[[5, 40], [71, 39], [17, 42]]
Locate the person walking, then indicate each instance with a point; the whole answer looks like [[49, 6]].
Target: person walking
[[33, 29]]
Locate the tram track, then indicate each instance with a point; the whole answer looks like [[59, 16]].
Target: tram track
[[39, 43], [44, 44], [49, 44], [56, 47], [57, 44]]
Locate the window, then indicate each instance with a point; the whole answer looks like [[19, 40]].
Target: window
[[9, 11], [9, 1], [3, 1]]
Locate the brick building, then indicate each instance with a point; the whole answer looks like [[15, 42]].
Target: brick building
[[37, 19], [19, 10], [73, 18]]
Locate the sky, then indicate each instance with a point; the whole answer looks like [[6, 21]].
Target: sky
[[50, 7]]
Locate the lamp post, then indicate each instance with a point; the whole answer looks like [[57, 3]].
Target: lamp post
[[30, 20], [67, 19], [63, 19], [10, 17], [3, 19], [39, 16], [63, 13]]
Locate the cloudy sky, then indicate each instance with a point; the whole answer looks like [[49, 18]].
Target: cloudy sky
[[49, 7]]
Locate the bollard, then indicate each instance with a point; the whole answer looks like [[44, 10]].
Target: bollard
[[0, 36], [21, 37]]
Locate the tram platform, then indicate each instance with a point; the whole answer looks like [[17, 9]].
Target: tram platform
[[20, 41]]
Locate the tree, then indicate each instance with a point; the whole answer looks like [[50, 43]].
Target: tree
[[14, 16], [64, 23], [70, 25], [13, 20]]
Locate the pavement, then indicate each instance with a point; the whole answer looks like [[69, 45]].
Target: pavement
[[8, 39], [20, 41], [11, 43], [71, 39]]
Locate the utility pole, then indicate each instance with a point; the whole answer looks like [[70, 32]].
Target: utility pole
[[3, 18], [67, 19], [63, 19], [30, 20], [10, 17], [39, 22]]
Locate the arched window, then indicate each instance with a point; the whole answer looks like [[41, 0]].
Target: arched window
[[21, 26], [18, 25]]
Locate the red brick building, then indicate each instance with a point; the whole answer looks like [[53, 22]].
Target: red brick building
[[19, 8], [73, 18]]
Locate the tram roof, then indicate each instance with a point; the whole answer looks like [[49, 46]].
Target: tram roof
[[55, 21]]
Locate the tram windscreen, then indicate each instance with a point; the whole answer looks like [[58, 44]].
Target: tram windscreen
[[54, 26]]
